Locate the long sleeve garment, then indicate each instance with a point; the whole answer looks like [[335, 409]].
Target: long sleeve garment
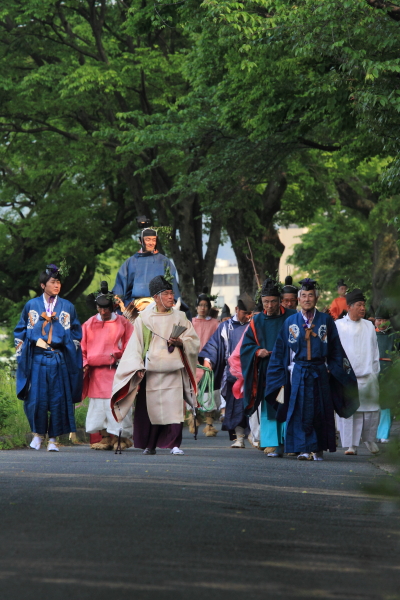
[[103, 344], [311, 394], [204, 329], [170, 376], [262, 333], [359, 341], [135, 274], [218, 350], [337, 307], [49, 380]]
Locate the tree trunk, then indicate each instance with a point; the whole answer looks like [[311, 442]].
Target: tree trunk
[[386, 264], [266, 246], [385, 274]]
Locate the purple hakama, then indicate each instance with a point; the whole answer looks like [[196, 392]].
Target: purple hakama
[[146, 435]]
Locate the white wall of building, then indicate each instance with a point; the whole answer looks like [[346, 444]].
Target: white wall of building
[[226, 272]]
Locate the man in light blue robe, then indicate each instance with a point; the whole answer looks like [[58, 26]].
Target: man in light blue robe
[[135, 274], [308, 360], [49, 358], [255, 352]]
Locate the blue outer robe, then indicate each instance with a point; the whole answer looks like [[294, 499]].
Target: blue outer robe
[[218, 350], [318, 387], [49, 380], [254, 371], [135, 274]]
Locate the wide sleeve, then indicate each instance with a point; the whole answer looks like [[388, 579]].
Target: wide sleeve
[[249, 364], [334, 309], [343, 382], [84, 343], [215, 352], [375, 352], [277, 372], [126, 382], [175, 286], [76, 329], [127, 334], [20, 331], [121, 282]]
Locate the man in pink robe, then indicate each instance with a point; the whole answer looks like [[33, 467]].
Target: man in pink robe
[[104, 339]]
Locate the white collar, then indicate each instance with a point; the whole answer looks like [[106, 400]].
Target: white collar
[[113, 317], [49, 306], [308, 322]]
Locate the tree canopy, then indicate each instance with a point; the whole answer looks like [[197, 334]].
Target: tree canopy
[[208, 116]]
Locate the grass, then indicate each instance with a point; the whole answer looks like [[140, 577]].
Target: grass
[[13, 422]]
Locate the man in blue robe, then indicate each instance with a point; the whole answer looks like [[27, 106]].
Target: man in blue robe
[[49, 372], [135, 274], [215, 355], [257, 346], [309, 362]]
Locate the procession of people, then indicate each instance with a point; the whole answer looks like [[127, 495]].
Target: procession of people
[[287, 377]]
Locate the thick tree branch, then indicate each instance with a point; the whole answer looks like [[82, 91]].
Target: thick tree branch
[[393, 11], [317, 146], [350, 198]]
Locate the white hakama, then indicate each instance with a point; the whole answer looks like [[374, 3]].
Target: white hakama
[[99, 417]]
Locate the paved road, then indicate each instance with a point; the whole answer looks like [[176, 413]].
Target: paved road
[[216, 523]]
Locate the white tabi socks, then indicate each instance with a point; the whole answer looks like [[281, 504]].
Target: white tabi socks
[[239, 438], [36, 441], [52, 446]]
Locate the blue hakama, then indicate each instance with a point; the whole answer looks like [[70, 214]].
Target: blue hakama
[[320, 384], [49, 381]]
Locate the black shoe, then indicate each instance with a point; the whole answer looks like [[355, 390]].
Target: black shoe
[[150, 451]]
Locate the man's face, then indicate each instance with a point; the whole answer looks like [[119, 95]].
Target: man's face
[[289, 300], [342, 289], [105, 313], [150, 243], [52, 287], [382, 324], [202, 309], [242, 315], [270, 305], [357, 311], [165, 299], [307, 299]]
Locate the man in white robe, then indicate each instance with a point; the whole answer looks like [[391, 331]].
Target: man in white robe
[[159, 371], [358, 339]]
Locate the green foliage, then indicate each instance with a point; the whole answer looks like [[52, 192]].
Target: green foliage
[[13, 422], [338, 244], [80, 415]]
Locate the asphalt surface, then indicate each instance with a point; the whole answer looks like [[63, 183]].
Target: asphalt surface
[[216, 523]]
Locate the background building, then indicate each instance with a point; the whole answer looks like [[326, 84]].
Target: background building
[[226, 272]]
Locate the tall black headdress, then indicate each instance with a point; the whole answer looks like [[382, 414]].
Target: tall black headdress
[[341, 282], [308, 284], [246, 302], [289, 288], [53, 271], [270, 287], [159, 284], [226, 312]]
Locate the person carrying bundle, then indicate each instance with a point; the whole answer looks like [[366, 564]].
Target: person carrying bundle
[[158, 369]]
